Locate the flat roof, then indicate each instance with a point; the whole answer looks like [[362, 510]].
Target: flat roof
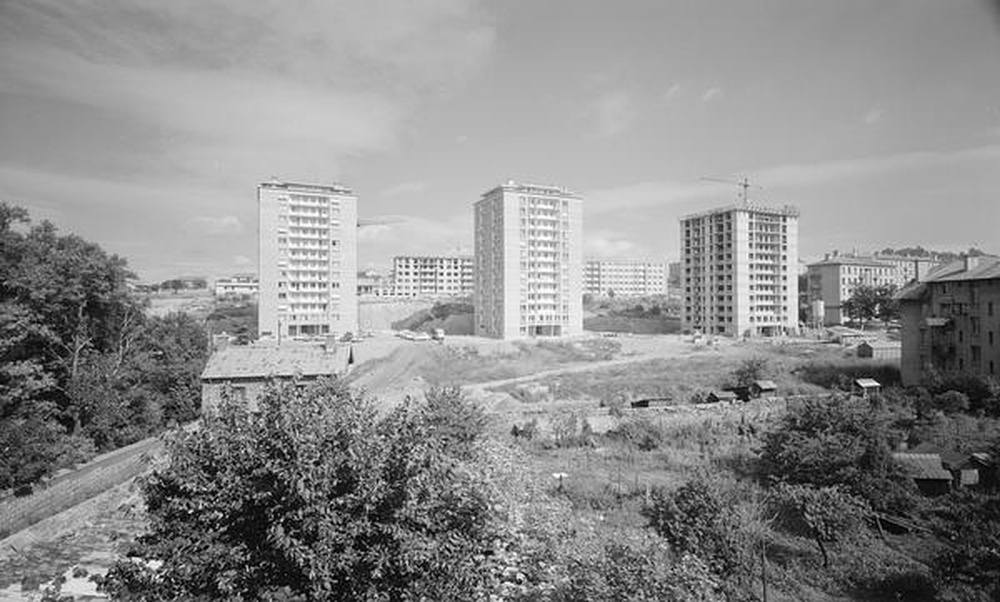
[[298, 186], [529, 188], [787, 210]]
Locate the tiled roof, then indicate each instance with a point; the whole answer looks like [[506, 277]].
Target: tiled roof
[[767, 385], [867, 383], [986, 268], [922, 466], [852, 260], [261, 361]]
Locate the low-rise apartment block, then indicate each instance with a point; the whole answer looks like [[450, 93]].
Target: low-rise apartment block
[[834, 279], [433, 276], [238, 286], [623, 278], [951, 320], [528, 262], [738, 271]]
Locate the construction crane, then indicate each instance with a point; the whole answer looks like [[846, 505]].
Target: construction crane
[[743, 183]]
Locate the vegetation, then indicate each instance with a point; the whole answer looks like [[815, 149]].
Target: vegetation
[[82, 369], [870, 302]]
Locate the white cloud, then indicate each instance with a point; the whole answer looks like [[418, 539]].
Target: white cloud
[[215, 226], [405, 188], [606, 244], [613, 113], [242, 261], [414, 235], [711, 94], [671, 92], [874, 116], [659, 193]]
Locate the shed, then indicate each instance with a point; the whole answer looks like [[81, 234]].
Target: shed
[[867, 387], [845, 335], [715, 396], [246, 369], [652, 402], [760, 388], [926, 470], [881, 350], [742, 393]]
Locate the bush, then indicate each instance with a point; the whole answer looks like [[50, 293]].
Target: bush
[[703, 519], [640, 432], [951, 402], [320, 497], [831, 375], [838, 441]]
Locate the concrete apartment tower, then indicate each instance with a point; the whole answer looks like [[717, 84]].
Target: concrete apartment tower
[[307, 241], [529, 262], [739, 271]]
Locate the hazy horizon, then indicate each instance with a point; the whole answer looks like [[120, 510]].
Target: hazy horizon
[[146, 126]]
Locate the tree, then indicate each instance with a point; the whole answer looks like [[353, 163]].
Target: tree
[[840, 440], [824, 514], [749, 371], [701, 519], [318, 497]]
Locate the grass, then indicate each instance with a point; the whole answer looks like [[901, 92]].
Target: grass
[[676, 378], [661, 325]]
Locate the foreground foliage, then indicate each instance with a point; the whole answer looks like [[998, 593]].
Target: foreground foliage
[[82, 368]]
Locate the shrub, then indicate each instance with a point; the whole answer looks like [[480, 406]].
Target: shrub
[[640, 432], [320, 497], [838, 441]]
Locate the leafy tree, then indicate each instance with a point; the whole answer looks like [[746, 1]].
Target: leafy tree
[[78, 358], [701, 519], [951, 402], [838, 441], [970, 565], [823, 514], [870, 302], [750, 370], [318, 497]]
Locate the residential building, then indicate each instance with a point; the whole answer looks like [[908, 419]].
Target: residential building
[[432, 276], [238, 286], [375, 284], [738, 271], [834, 279], [528, 262], [624, 278], [246, 370], [308, 260], [951, 320]]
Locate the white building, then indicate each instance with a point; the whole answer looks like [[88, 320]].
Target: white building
[[528, 262], [624, 278], [238, 286], [432, 276], [307, 237], [739, 271], [834, 279]]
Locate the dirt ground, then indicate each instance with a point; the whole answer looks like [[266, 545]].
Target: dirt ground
[[81, 541]]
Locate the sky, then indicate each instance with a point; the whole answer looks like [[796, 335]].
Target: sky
[[146, 126]]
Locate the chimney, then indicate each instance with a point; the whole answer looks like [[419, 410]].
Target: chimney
[[220, 341], [836, 253], [827, 258], [971, 262]]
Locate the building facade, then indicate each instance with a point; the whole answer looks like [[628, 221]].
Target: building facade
[[951, 320], [308, 260], [433, 276], [738, 271], [238, 286], [834, 279], [528, 262], [624, 278]]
